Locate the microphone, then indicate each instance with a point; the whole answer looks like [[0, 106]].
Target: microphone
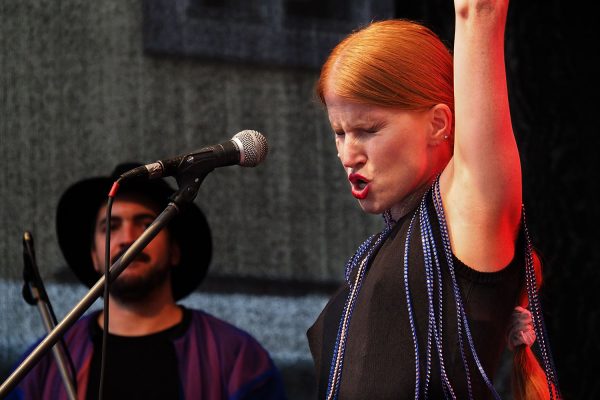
[[247, 148]]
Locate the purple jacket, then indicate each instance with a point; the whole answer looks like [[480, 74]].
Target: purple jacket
[[216, 361]]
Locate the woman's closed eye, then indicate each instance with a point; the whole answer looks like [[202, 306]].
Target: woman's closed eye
[[372, 129]]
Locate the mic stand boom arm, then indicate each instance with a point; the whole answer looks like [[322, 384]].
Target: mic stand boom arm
[[186, 193]]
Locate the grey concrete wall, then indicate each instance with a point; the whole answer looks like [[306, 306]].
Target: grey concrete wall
[[78, 95]]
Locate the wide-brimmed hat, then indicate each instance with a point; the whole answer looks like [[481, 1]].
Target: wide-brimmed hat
[[76, 216]]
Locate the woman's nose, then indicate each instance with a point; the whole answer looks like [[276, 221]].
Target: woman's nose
[[351, 153]]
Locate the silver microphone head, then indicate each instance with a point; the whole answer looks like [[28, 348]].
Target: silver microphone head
[[253, 147]]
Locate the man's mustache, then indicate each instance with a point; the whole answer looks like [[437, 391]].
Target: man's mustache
[[142, 257]]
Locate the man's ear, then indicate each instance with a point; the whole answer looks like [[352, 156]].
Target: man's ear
[[175, 257], [94, 255], [441, 124]]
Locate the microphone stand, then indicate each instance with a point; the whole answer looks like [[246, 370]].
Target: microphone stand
[[35, 294], [189, 182]]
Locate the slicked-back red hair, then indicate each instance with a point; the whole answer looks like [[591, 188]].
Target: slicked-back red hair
[[392, 63]]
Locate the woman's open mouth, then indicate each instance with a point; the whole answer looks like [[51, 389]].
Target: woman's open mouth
[[360, 186]]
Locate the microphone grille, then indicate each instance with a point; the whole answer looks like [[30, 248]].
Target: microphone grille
[[253, 147]]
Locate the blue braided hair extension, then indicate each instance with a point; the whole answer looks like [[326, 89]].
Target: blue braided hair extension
[[538, 320], [361, 258], [360, 263], [461, 314]]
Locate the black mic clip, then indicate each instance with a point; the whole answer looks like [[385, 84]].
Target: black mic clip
[[192, 171], [195, 166]]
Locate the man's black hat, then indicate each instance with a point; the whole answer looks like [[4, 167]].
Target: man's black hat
[[76, 217]]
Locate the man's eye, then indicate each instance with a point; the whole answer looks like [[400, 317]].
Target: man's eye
[[101, 228], [146, 223]]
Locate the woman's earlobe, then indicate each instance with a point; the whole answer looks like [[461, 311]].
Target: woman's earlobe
[[441, 123]]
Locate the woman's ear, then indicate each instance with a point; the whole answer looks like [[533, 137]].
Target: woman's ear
[[441, 124]]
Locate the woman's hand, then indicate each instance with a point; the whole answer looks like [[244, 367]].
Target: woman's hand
[[468, 8]]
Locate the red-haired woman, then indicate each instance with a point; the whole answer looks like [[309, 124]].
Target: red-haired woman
[[426, 140]]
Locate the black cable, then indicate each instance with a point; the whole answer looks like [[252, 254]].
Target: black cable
[[109, 204]]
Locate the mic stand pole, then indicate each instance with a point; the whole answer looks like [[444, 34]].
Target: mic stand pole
[[187, 193], [35, 293], [58, 351]]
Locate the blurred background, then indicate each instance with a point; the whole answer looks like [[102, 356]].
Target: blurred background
[[86, 85]]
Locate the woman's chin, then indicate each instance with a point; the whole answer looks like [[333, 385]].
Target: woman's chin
[[371, 207]]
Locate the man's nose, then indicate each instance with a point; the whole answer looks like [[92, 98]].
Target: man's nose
[[127, 234]]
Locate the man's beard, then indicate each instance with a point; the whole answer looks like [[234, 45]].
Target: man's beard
[[136, 289], [127, 289]]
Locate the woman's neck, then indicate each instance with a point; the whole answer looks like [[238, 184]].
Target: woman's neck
[[410, 202]]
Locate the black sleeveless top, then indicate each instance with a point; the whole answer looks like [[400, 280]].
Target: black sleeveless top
[[379, 360]]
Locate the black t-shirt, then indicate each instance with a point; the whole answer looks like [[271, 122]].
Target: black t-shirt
[[138, 367], [379, 360]]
